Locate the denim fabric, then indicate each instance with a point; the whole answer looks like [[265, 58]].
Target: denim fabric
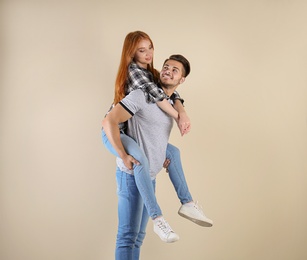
[[176, 174], [141, 173], [134, 190], [132, 217]]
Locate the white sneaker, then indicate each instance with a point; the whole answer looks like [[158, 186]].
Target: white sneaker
[[193, 212], [164, 231]]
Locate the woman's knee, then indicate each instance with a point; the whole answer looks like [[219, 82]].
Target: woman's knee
[[172, 151]]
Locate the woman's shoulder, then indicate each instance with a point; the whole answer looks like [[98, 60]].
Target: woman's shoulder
[[133, 65]]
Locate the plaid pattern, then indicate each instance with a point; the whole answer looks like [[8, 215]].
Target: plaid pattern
[[139, 78]]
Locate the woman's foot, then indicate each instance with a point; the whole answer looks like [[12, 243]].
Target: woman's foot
[[193, 212]]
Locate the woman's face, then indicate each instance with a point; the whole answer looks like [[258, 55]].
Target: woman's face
[[144, 53]]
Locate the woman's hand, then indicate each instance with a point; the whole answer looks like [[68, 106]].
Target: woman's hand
[[184, 123]]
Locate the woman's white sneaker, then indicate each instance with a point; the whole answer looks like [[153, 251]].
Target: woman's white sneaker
[[193, 212], [164, 231]]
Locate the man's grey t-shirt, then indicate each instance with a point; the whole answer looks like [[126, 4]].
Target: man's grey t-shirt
[[150, 127]]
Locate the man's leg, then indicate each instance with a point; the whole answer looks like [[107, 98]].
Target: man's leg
[[141, 172], [130, 210], [141, 235], [144, 185]]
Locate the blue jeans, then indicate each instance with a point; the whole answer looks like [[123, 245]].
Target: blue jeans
[[132, 217], [176, 174], [136, 190], [141, 173]]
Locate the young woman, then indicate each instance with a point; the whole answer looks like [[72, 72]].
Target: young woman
[[136, 71]]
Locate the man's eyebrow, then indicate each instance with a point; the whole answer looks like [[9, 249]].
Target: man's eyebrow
[[174, 67]]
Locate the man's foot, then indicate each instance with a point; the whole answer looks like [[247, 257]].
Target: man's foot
[[164, 231], [193, 212]]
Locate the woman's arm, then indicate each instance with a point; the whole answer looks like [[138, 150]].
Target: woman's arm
[[168, 108], [143, 79], [183, 122]]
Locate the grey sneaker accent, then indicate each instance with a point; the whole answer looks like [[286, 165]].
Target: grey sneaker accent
[[192, 211]]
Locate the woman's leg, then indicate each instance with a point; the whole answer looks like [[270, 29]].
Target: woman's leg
[[144, 185], [189, 208], [176, 174], [141, 173], [130, 212]]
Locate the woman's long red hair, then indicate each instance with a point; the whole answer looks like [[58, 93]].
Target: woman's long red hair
[[129, 48]]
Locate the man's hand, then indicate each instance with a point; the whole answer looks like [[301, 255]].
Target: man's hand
[[166, 164], [129, 161], [184, 123]]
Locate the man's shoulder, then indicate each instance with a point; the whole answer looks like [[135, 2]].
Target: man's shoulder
[[136, 97], [135, 94]]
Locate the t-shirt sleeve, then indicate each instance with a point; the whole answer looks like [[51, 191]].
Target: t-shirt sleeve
[[133, 102]]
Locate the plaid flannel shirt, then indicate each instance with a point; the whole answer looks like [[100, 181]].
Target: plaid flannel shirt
[[139, 78]]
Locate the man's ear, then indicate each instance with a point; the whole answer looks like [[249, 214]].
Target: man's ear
[[182, 80]]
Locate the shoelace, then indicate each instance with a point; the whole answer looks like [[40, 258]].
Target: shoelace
[[198, 207], [164, 226]]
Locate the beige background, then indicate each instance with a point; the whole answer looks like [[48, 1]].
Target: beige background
[[245, 158]]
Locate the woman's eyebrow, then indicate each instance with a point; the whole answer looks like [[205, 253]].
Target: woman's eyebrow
[[144, 47]]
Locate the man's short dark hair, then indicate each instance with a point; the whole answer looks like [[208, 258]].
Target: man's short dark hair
[[185, 63]]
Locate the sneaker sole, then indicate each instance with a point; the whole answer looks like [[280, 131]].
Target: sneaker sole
[[167, 241], [196, 221]]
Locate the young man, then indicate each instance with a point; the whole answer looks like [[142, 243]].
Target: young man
[[150, 127]]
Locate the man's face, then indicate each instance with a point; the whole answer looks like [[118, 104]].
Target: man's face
[[171, 74]]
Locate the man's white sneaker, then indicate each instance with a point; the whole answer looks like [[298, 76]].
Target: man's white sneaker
[[164, 231], [193, 212]]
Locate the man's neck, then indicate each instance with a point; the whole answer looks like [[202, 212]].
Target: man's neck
[[169, 91]]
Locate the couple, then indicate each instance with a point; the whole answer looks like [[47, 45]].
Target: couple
[[141, 144]]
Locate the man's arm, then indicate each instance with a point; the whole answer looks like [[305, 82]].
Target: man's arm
[[183, 122], [110, 125]]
